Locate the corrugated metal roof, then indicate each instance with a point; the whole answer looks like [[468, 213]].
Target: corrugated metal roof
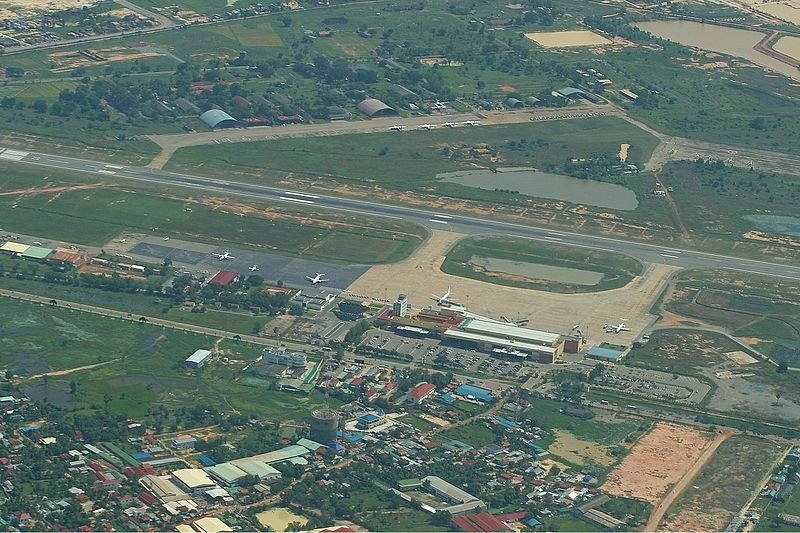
[[198, 357], [497, 341], [37, 252], [510, 331], [14, 247]]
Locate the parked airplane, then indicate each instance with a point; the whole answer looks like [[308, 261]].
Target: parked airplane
[[426, 127], [254, 268], [396, 127], [318, 278], [443, 299], [224, 255], [472, 122], [616, 329], [449, 124]]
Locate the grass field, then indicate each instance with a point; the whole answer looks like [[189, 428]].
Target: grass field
[[147, 370], [617, 269], [763, 310], [725, 484], [682, 351], [413, 159], [420, 424], [475, 434], [83, 210]]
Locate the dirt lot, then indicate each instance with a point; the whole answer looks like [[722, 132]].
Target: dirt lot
[[25, 8], [420, 276], [657, 462]]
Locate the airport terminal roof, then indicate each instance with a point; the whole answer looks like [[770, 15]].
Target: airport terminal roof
[[217, 117], [497, 341], [374, 107], [37, 252], [509, 331], [14, 247]]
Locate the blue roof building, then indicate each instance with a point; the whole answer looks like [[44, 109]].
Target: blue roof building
[[206, 460], [479, 393], [605, 354], [446, 398]]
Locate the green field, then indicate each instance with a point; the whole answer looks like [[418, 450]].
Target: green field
[[682, 351], [476, 434], [759, 308], [91, 212], [726, 483], [413, 159], [617, 269], [147, 367]]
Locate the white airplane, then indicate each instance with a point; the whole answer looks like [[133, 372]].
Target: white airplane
[[443, 299], [449, 124], [426, 127], [396, 127], [472, 122], [223, 256], [318, 278], [254, 268], [616, 329]]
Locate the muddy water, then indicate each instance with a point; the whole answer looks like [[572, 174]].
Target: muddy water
[[558, 274], [546, 185], [731, 41]]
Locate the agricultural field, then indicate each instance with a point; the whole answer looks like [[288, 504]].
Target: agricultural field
[[139, 366], [87, 211], [533, 265], [725, 484]]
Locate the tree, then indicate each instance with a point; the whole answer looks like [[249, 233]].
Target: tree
[[296, 310], [40, 106]]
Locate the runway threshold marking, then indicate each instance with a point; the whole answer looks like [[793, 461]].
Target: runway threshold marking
[[298, 200], [101, 171], [117, 167], [448, 217], [301, 194], [554, 239], [437, 221], [667, 250], [670, 256]]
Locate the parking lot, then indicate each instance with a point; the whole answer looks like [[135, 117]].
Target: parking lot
[[654, 384], [432, 351]]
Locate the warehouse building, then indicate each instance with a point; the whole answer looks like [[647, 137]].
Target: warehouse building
[[460, 500], [474, 392], [217, 118], [605, 354], [373, 107], [193, 480], [198, 359]]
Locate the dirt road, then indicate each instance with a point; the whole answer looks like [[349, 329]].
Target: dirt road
[[670, 497], [71, 370]]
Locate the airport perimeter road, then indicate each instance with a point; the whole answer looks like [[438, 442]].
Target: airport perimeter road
[[443, 221]]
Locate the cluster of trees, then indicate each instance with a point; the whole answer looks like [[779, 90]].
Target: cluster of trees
[[597, 166]]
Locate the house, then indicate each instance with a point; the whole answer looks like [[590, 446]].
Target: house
[[421, 392], [223, 278]]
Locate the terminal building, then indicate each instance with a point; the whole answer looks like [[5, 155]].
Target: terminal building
[[507, 340], [282, 357]]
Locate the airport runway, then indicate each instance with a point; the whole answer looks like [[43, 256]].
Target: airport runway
[[449, 222]]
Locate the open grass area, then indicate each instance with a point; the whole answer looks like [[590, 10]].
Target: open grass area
[[147, 367], [83, 210], [725, 484], [413, 159], [400, 520], [617, 270], [549, 415], [682, 351], [715, 201], [761, 309], [420, 424], [476, 434], [568, 522]]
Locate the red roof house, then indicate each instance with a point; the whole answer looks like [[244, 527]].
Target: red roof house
[[421, 391], [223, 278]]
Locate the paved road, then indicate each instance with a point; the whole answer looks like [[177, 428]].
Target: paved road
[[467, 225]]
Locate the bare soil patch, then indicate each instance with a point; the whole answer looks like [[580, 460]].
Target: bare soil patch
[[658, 461]]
